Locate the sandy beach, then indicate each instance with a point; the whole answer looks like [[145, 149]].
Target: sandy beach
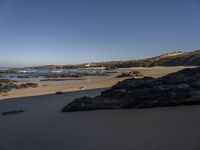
[[60, 86], [43, 127], [157, 71], [50, 87], [99, 75]]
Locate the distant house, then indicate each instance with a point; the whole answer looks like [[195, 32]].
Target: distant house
[[87, 65]]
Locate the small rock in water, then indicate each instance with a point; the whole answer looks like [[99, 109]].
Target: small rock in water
[[12, 112], [59, 92]]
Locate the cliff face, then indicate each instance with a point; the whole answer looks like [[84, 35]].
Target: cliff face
[[181, 88]]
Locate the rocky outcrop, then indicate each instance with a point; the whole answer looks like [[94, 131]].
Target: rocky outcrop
[[28, 85], [6, 85], [181, 88], [130, 74]]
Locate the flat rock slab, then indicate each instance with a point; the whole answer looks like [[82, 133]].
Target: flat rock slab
[[12, 112]]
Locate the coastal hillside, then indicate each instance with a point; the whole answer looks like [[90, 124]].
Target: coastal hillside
[[169, 59]]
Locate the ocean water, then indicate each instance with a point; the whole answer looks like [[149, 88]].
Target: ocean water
[[39, 74]]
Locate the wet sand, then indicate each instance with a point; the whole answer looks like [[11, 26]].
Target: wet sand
[[43, 127]]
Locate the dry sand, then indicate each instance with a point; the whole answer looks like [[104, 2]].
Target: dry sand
[[101, 82], [43, 127], [157, 71]]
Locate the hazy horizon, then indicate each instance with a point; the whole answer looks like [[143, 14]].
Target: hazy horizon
[[62, 32], [21, 66]]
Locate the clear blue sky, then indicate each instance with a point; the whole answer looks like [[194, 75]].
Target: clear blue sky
[[38, 32]]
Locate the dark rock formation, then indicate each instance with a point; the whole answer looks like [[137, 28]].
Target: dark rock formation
[[6, 85], [28, 85], [59, 93], [181, 88], [130, 74], [57, 75], [12, 112], [24, 76]]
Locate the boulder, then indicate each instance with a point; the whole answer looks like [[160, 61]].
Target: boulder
[[59, 93]]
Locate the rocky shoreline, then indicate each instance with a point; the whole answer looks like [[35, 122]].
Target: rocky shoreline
[[8, 85], [180, 88]]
